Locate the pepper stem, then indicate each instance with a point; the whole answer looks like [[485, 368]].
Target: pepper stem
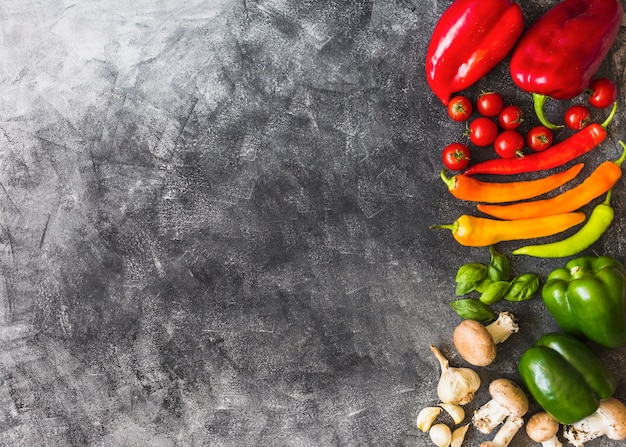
[[619, 161], [610, 117], [451, 181], [453, 227], [538, 102]]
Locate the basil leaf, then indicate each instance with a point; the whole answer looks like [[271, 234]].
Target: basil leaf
[[495, 292], [482, 286], [499, 268], [523, 287], [471, 309], [471, 272], [469, 276]]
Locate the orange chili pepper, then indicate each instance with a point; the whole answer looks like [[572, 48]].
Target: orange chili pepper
[[466, 187], [599, 181], [474, 231]]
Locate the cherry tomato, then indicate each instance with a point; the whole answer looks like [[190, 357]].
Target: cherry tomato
[[577, 117], [482, 131], [509, 144], [539, 138], [489, 104], [460, 108], [510, 117], [456, 156], [602, 93]]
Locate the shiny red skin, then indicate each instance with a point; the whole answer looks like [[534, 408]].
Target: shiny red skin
[[602, 93], [561, 52], [470, 38]]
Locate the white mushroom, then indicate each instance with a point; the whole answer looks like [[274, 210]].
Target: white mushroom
[[542, 427], [507, 399], [476, 343], [506, 433], [608, 420]]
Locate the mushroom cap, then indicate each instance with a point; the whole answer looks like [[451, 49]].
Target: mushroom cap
[[615, 413], [474, 343], [510, 396], [541, 427]]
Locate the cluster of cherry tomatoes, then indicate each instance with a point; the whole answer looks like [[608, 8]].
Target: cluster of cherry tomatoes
[[498, 124]]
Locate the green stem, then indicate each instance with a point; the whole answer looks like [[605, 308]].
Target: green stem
[[619, 161], [538, 102], [449, 181], [453, 226], [610, 117]]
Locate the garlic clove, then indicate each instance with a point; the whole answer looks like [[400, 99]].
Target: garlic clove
[[455, 411], [426, 417], [441, 435], [458, 436]]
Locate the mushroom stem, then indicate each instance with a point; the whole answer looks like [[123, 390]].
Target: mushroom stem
[[507, 399], [503, 327], [609, 419], [506, 433], [489, 416]]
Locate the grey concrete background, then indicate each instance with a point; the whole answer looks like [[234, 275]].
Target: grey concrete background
[[214, 223]]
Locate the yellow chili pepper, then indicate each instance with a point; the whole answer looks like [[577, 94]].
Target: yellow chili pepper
[[481, 232]]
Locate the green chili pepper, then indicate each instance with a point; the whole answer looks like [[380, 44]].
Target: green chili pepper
[[599, 221]]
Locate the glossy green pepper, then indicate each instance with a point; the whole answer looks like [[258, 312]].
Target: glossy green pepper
[[588, 298], [565, 377]]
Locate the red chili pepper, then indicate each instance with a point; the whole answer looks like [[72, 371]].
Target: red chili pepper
[[561, 52], [471, 37], [556, 155]]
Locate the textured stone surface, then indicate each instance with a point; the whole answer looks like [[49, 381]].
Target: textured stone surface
[[214, 224]]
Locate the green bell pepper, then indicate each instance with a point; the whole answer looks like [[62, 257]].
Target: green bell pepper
[[565, 377], [588, 298]]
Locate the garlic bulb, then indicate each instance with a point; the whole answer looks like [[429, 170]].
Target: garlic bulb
[[456, 385]]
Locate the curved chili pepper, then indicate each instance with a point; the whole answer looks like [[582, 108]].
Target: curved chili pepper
[[465, 187], [599, 221], [599, 181], [470, 38], [474, 231], [559, 54], [556, 155]]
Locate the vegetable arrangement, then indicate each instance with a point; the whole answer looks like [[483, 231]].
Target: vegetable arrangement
[[556, 58]]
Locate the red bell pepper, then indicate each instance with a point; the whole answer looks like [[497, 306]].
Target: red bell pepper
[[560, 53], [470, 38]]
